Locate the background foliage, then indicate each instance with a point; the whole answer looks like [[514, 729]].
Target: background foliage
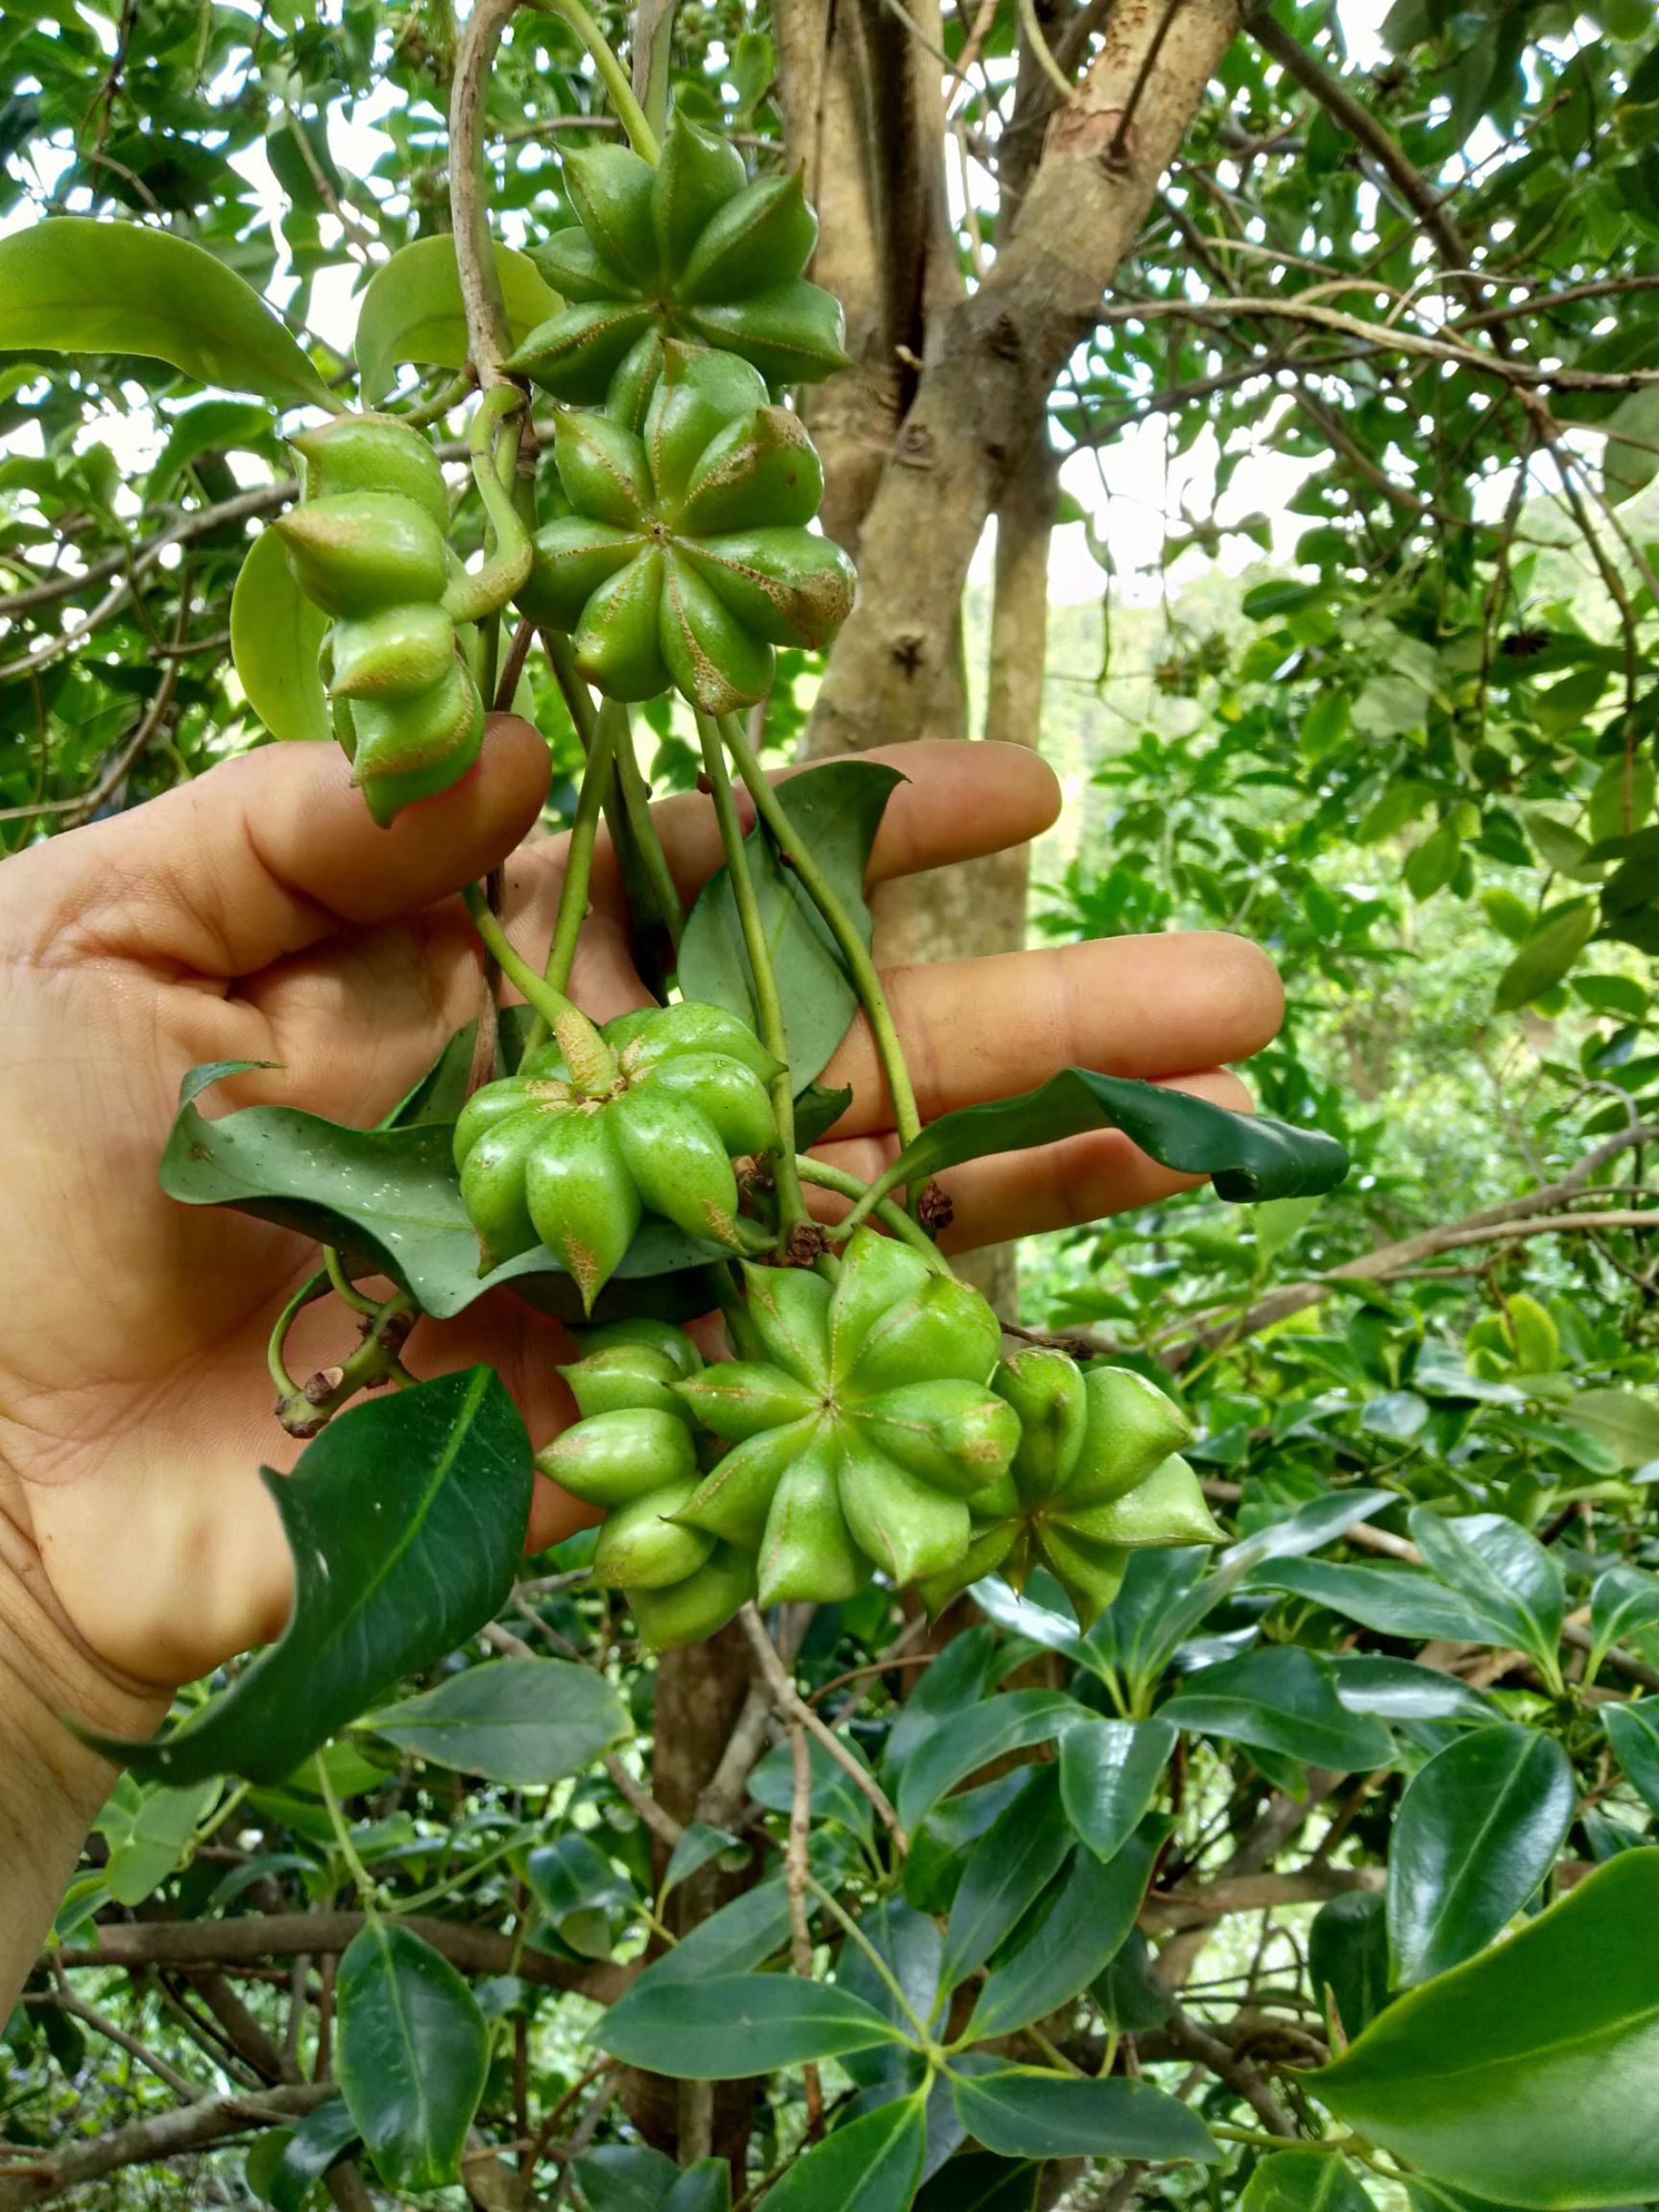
[[1400, 727]]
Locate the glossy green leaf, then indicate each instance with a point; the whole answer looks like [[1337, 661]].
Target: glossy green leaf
[[1245, 1156], [1008, 1869], [977, 2181], [406, 1520], [837, 810], [412, 2055], [1478, 1830], [1503, 1574], [971, 1740], [1320, 1522], [699, 1846], [295, 2159], [412, 309], [77, 285], [1404, 1690], [624, 2177], [1402, 1602], [1024, 2113], [753, 1928], [1634, 1731], [729, 2026], [1529, 2075], [391, 1199], [1348, 1958], [1624, 1601], [1281, 1699], [528, 1722], [1065, 1939], [874, 2163], [276, 636], [1305, 2181], [582, 1895], [1109, 1775]]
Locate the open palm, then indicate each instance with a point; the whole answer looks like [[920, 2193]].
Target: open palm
[[257, 914]]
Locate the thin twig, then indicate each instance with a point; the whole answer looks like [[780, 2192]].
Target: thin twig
[[794, 1708]]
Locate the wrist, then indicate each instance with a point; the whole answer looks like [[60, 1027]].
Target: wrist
[[54, 1785]]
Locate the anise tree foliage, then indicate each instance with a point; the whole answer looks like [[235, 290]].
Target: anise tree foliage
[[1316, 1869]]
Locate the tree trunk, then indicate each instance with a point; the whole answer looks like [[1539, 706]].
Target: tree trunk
[[986, 384]]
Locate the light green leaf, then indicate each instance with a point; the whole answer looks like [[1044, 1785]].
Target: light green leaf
[[1548, 956], [412, 310], [1634, 1731], [1305, 2181], [1626, 1420], [275, 638], [524, 1721], [77, 285], [413, 2053], [1529, 2075]]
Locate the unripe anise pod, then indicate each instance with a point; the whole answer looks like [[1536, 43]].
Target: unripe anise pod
[[573, 1160], [689, 250], [366, 544], [1095, 1476], [684, 559]]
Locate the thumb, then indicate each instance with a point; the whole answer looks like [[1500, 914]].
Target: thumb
[[273, 852]]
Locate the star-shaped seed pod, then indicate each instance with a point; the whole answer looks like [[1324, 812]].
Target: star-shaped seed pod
[[856, 1441], [685, 558], [366, 544], [689, 250], [573, 1160], [1096, 1477], [635, 1450]]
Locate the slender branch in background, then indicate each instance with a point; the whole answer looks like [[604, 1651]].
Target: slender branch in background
[[193, 2127], [794, 1708], [489, 341], [661, 1824], [797, 1866]]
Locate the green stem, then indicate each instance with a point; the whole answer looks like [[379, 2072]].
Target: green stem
[[773, 1035], [637, 802], [344, 1287], [853, 949], [590, 1059], [578, 859], [360, 1875], [615, 77], [306, 1295], [891, 1217], [444, 402], [481, 591], [851, 1930]]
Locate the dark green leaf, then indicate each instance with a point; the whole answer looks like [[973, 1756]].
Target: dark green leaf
[[1109, 1775], [295, 2159], [625, 2178], [733, 2025], [1305, 2181], [1348, 1957], [1009, 1867], [1024, 2113], [1504, 1575], [837, 810], [972, 1740], [1394, 1600], [1281, 1699], [527, 1721], [1634, 1731], [742, 1934], [1246, 1156], [75, 286], [1065, 1939], [412, 2055], [1478, 1830], [406, 1520], [390, 1198], [706, 2187], [1531, 2075], [872, 2163], [976, 2182], [580, 1891]]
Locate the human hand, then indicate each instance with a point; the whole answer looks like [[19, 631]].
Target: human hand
[[259, 914]]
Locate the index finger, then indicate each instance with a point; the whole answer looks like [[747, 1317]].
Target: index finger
[[958, 802]]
